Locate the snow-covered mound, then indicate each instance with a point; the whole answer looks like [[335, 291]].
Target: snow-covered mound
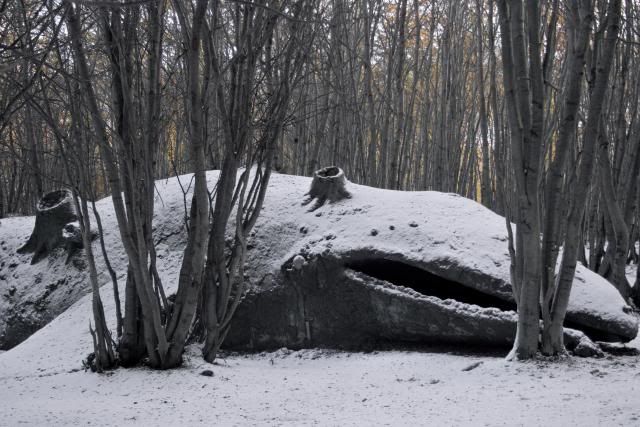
[[32, 295], [393, 242], [442, 234]]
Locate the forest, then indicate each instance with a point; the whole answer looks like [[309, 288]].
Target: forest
[[529, 108], [334, 212]]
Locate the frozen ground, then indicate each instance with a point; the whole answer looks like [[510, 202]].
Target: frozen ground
[[314, 387]]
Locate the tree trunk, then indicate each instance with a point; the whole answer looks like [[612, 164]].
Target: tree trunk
[[564, 279], [619, 239], [523, 84], [132, 345], [485, 181], [553, 192], [328, 184], [54, 212], [104, 356], [193, 261]]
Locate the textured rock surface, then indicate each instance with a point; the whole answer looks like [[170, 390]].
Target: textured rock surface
[[332, 305]]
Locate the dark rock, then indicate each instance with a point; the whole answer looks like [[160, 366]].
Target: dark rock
[[587, 350], [355, 301], [619, 350], [472, 366], [207, 373], [19, 327], [339, 307]]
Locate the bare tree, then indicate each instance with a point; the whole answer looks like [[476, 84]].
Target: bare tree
[[523, 72], [281, 69]]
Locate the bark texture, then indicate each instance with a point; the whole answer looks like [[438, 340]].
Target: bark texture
[[55, 217], [328, 184]]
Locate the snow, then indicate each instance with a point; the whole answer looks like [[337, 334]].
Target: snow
[[42, 381], [423, 228], [631, 273], [314, 387], [428, 228]]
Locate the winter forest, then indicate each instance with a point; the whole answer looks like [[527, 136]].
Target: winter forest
[[319, 212]]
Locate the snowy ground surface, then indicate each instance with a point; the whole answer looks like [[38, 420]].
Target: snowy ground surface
[[42, 381], [314, 387]]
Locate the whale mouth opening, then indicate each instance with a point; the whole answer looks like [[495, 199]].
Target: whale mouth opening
[[403, 275]]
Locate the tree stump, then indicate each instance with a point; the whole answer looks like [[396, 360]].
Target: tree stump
[[55, 226], [328, 184]]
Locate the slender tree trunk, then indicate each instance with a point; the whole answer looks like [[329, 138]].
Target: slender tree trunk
[[619, 240], [526, 102], [485, 182], [192, 268], [566, 273], [580, 32]]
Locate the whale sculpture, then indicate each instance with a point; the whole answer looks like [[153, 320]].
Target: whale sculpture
[[379, 266]]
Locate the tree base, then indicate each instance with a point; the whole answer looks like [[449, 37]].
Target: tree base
[[56, 226], [328, 184]]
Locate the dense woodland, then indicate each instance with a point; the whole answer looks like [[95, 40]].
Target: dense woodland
[[530, 108]]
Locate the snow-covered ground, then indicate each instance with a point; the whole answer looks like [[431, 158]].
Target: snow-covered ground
[[42, 381], [314, 387]]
